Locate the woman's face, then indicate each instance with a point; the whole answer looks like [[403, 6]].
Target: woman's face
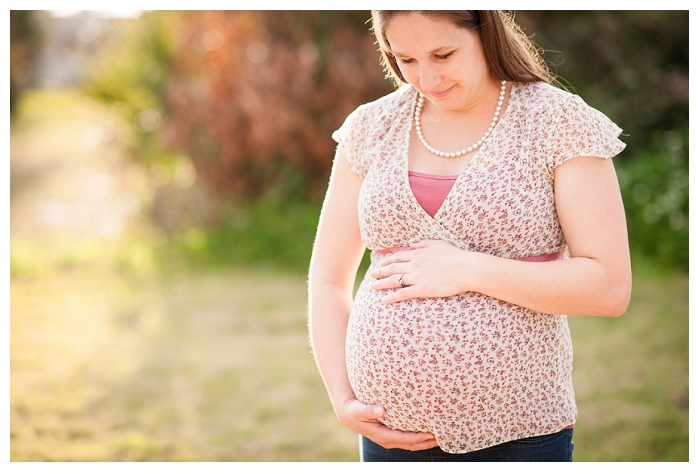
[[442, 61]]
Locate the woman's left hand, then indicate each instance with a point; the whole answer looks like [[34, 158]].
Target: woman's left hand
[[431, 268]]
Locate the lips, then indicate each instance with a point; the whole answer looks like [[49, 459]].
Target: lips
[[442, 93]]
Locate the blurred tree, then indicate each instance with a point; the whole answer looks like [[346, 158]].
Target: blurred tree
[[25, 44], [132, 71], [255, 95]]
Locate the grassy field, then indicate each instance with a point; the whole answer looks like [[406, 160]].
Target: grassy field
[[215, 366], [208, 367], [631, 376], [120, 350]]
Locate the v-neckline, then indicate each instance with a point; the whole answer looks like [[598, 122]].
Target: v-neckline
[[459, 177]]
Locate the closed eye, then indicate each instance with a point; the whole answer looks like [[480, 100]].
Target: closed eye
[[441, 57]]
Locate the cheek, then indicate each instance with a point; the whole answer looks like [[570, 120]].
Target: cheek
[[410, 74]]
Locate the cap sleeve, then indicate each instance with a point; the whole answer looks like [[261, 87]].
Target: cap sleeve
[[584, 131], [351, 137]]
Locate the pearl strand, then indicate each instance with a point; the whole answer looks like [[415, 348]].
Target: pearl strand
[[418, 128]]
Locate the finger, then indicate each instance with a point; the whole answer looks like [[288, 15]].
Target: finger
[[420, 446], [415, 437], [389, 270], [403, 256], [425, 445], [422, 244], [398, 436], [365, 412], [400, 256], [392, 281], [413, 441], [400, 295]]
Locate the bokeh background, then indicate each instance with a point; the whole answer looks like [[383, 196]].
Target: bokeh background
[[167, 170]]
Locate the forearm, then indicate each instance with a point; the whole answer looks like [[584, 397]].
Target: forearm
[[337, 252], [329, 308], [596, 280], [576, 286]]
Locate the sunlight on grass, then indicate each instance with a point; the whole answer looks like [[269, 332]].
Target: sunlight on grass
[[215, 366], [123, 348], [211, 367]]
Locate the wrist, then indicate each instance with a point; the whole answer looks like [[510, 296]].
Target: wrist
[[340, 405], [472, 271]]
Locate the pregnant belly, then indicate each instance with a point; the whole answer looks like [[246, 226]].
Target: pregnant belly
[[464, 368]]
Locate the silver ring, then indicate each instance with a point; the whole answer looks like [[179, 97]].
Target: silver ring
[[400, 280]]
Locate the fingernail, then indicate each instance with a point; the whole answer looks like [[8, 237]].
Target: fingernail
[[377, 411]]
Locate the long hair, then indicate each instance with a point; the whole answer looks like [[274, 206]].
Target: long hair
[[509, 53]]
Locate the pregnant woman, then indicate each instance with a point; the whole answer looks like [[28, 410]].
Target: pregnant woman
[[490, 203]]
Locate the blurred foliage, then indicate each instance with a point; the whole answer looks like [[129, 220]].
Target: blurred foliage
[[131, 73], [251, 97], [255, 95], [271, 230], [25, 44], [632, 65], [249, 100], [655, 189]]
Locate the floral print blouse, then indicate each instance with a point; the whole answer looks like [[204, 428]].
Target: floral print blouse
[[473, 370]]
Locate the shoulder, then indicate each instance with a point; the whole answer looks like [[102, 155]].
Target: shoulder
[[388, 107], [563, 126], [545, 98], [545, 107], [373, 120], [369, 124]]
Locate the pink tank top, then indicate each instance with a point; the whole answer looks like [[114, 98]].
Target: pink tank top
[[430, 190]]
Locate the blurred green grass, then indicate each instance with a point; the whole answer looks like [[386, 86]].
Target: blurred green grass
[[193, 346], [631, 376], [214, 365], [209, 367]]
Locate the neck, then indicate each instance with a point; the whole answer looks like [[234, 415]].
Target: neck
[[480, 104], [476, 120]]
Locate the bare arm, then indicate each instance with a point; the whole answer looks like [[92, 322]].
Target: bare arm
[[336, 255], [596, 280]]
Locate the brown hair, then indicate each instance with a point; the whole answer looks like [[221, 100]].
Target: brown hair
[[509, 53]]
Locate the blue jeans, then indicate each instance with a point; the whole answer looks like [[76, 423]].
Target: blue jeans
[[556, 447]]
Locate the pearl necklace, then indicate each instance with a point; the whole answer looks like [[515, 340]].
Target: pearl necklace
[[418, 128]]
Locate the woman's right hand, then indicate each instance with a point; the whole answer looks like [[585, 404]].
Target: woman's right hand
[[364, 420]]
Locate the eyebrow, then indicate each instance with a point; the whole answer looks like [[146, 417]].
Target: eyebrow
[[435, 50]]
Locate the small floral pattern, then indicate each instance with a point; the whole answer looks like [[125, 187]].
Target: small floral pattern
[[473, 370]]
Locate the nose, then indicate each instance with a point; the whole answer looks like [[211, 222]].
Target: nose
[[429, 77]]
